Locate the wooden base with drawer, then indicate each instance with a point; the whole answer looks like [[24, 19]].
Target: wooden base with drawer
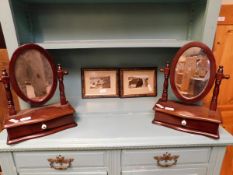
[[38, 122], [188, 118]]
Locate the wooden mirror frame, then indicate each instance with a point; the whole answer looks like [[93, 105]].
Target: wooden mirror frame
[[212, 72], [16, 54]]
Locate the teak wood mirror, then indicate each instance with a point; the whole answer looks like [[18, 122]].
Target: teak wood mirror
[[192, 75], [192, 72], [33, 76]]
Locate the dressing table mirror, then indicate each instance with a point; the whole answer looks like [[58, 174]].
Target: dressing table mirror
[[192, 75], [33, 76]]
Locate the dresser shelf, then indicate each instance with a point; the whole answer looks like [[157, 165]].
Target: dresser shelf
[[117, 43], [109, 24]]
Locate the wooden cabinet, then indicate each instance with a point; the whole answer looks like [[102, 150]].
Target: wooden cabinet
[[116, 149], [115, 135]]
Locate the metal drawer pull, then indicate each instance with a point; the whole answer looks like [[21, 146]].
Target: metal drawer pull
[[163, 161], [60, 163]]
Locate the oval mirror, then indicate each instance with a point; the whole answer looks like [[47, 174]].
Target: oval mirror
[[192, 72], [33, 74]]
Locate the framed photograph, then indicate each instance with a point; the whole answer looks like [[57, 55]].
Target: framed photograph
[[136, 82], [97, 83]]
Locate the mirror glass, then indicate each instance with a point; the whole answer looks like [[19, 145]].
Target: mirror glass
[[33, 74], [192, 72]]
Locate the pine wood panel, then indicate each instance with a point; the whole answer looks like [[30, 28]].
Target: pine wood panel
[[223, 47], [223, 52], [227, 13], [224, 55], [4, 61]]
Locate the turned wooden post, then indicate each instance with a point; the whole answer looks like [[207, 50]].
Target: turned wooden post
[[60, 75], [6, 82], [218, 79], [166, 72]]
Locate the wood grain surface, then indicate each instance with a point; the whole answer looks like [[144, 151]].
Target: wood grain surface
[[4, 61], [54, 117], [222, 49], [226, 15], [198, 119]]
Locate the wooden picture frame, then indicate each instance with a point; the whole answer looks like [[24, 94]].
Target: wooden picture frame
[[100, 82], [138, 82]]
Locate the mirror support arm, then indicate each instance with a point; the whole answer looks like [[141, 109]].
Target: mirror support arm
[[61, 73], [6, 82], [218, 79], [166, 72]]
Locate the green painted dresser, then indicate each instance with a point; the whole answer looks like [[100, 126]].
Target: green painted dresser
[[115, 135]]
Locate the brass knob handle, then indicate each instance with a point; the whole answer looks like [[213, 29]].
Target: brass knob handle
[[60, 163], [166, 160]]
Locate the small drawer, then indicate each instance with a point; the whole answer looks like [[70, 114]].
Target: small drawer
[[183, 155], [40, 159]]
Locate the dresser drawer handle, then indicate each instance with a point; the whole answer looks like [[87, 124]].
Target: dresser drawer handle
[[43, 126], [166, 160], [183, 122], [60, 163]]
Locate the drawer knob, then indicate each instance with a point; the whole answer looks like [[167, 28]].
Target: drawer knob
[[43, 126], [183, 123], [166, 160], [60, 163]]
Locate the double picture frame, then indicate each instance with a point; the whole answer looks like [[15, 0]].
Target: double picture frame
[[119, 82]]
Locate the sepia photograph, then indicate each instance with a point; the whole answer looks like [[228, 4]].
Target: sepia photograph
[[97, 83], [136, 82], [100, 82]]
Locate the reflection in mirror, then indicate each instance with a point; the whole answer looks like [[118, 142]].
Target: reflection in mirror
[[34, 75], [192, 72]]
